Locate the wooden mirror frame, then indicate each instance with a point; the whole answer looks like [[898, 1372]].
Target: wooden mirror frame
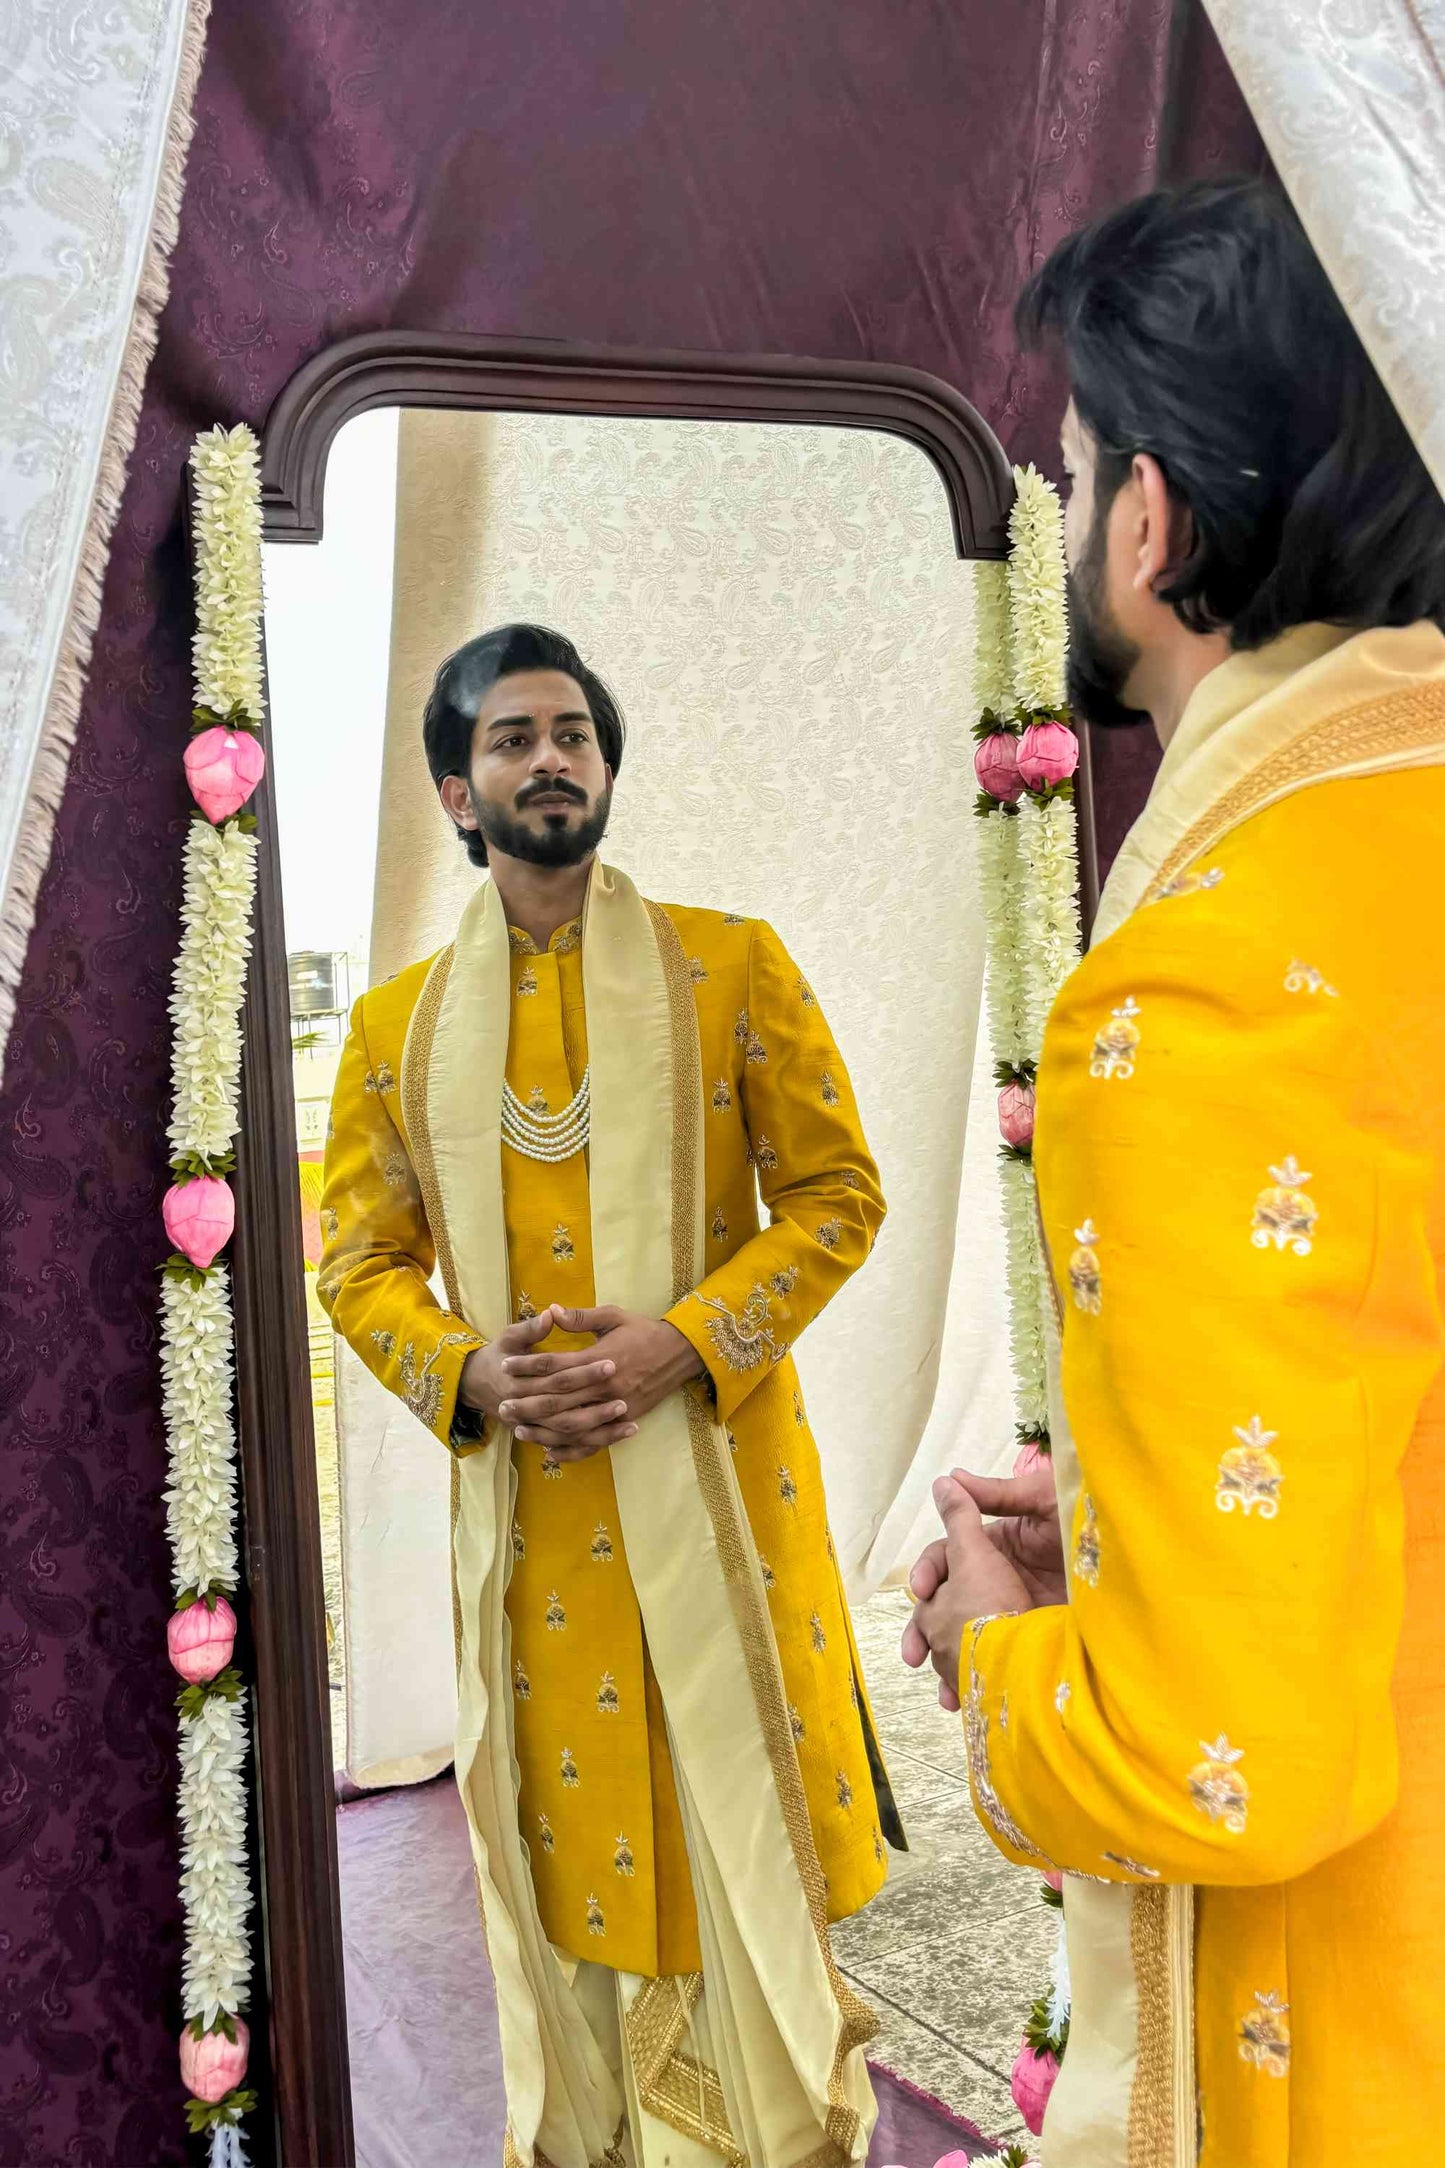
[[305, 1985]]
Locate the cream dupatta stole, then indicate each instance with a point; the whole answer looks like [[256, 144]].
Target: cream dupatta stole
[[1316, 705], [774, 1993]]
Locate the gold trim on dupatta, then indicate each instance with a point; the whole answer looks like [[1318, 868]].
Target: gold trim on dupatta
[[672, 2085], [1400, 730]]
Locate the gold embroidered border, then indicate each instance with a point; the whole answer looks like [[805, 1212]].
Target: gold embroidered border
[[511, 2158], [415, 1076], [1151, 2101], [858, 2024], [673, 2086], [1404, 729]]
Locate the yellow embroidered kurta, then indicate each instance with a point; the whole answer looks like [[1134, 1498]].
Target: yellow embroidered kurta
[[596, 1798], [1240, 1138]]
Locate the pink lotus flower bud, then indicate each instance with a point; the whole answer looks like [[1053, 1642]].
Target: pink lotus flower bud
[[1016, 1114], [954, 2160], [1031, 1455], [199, 1640], [1033, 2081], [1048, 753], [213, 2066], [223, 767], [1051, 1875], [200, 1217], [996, 764]]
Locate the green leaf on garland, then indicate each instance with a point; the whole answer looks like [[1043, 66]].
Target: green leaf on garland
[[1046, 791], [236, 717], [177, 1267], [990, 723], [1014, 1072], [207, 2115], [225, 1686], [1034, 1434], [1053, 1898], [1038, 2035], [197, 1166], [1020, 1152], [983, 806]]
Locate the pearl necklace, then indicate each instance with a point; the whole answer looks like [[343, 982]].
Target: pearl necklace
[[548, 1137]]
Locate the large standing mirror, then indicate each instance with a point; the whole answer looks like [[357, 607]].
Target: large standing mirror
[[774, 568]]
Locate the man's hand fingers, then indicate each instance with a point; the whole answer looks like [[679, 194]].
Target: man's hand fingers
[[962, 1526], [562, 1449], [1007, 1496], [948, 1699], [538, 1409], [930, 1572], [516, 1339], [568, 1425], [579, 1365], [605, 1318], [915, 1647]]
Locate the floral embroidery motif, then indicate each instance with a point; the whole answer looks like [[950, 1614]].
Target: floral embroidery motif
[[1132, 1866], [569, 1770], [562, 1250], [787, 1488], [770, 1579], [806, 995], [544, 1834], [815, 1628], [1084, 1274], [608, 1703], [596, 1922], [1189, 884], [556, 1615], [722, 1096], [719, 1225], [622, 1860], [1264, 2035], [785, 1281], [330, 1222], [732, 1441], [878, 1846], [1061, 1695], [386, 1341], [1249, 1474], [698, 970], [796, 1721], [731, 918], [755, 1052], [829, 1089], [830, 1234], [538, 1101], [526, 980], [521, 944], [1284, 1215], [852, 1179], [1117, 1042], [381, 1080], [519, 1542], [421, 1389], [975, 1733], [852, 1685], [1003, 1714], [526, 1308], [764, 1157], [1304, 979], [798, 1416], [845, 1789], [1086, 1545], [743, 1341], [521, 1684], [396, 1171], [1216, 1786], [602, 1553], [551, 1466], [568, 939]]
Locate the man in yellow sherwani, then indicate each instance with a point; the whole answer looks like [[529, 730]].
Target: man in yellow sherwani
[[663, 1744], [1228, 1728]]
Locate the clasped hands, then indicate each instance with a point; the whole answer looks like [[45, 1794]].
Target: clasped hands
[[977, 1569], [575, 1401]]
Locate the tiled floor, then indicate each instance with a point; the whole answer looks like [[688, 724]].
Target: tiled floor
[[955, 1948]]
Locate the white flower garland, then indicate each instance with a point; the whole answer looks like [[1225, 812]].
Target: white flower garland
[[197, 1348], [1029, 872]]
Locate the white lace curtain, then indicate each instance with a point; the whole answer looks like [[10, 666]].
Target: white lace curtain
[[783, 618], [1349, 96]]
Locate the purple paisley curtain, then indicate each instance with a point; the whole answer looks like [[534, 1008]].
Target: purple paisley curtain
[[851, 177]]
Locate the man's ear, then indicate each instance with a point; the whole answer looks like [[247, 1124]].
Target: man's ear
[[1167, 529], [456, 800]]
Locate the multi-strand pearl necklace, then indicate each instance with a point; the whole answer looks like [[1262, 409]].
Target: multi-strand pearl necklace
[[548, 1137]]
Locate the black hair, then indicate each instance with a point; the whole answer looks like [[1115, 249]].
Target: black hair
[[1198, 325], [465, 679]]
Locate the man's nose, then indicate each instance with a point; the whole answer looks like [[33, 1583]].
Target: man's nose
[[550, 760]]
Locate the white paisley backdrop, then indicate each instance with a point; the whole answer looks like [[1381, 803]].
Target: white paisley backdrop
[[782, 615]]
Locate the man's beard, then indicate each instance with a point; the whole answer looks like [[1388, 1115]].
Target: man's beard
[[1101, 659], [554, 845]]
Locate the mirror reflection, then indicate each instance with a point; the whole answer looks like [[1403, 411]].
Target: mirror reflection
[[623, 774]]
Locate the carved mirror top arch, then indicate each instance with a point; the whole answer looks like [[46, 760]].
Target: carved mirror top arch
[[458, 370]]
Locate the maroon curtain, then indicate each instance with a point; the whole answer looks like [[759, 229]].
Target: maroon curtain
[[866, 178]]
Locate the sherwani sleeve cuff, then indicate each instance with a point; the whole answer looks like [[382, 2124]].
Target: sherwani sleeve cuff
[[1001, 1663], [725, 1383]]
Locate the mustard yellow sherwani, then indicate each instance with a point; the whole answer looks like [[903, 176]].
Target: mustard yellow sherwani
[[596, 1801], [1233, 1736]]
